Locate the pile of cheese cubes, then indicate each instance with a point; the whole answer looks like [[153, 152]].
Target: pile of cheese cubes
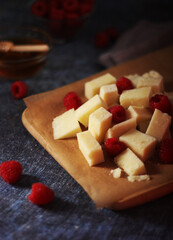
[[141, 130]]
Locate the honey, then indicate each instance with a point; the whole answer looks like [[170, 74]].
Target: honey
[[19, 65]]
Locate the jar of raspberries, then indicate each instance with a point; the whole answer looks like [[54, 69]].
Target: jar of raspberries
[[62, 18]]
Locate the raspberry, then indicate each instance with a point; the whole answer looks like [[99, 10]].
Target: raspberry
[[118, 113], [112, 33], [19, 89], [10, 171], [57, 14], [101, 40], [160, 102], [39, 8], [166, 151], [72, 100], [114, 147], [41, 194], [70, 5], [124, 83]]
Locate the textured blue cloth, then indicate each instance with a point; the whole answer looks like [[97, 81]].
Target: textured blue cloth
[[72, 215]]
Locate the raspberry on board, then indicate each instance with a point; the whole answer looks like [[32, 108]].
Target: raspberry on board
[[72, 100], [114, 147], [19, 89], [160, 102], [10, 171], [41, 194], [101, 40], [118, 113], [166, 151], [124, 83], [39, 8]]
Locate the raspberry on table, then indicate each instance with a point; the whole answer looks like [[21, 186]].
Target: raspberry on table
[[72, 100], [112, 33], [160, 102], [118, 113], [101, 40], [39, 8], [123, 83], [19, 89], [166, 151], [114, 147], [41, 194], [10, 171]]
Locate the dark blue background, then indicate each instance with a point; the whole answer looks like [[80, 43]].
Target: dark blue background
[[72, 215]]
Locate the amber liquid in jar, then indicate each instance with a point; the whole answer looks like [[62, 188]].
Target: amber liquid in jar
[[20, 65]]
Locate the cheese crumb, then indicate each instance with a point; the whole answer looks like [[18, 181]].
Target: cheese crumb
[[138, 178], [116, 172]]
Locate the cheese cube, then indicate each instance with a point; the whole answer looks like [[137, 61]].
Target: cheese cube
[[120, 128], [83, 112], [140, 113], [93, 87], [133, 78], [109, 93], [65, 125], [140, 143], [90, 148], [159, 124], [151, 79], [130, 163], [136, 97], [99, 122]]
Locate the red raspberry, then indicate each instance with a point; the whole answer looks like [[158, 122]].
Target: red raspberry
[[72, 100], [112, 33], [101, 40], [124, 83], [70, 5], [166, 151], [114, 147], [10, 171], [19, 89], [118, 113], [57, 14], [41, 194], [39, 8], [160, 102], [72, 20]]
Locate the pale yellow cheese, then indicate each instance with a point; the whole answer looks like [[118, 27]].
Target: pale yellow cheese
[[136, 97], [138, 178], [83, 112], [99, 122], [151, 79], [90, 148], [65, 125], [130, 163], [140, 143], [93, 87], [120, 128], [133, 78], [159, 124], [109, 93], [140, 113]]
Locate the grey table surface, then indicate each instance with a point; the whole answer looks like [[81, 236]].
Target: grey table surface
[[72, 214]]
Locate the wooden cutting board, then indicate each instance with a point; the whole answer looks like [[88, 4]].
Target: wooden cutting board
[[97, 181]]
